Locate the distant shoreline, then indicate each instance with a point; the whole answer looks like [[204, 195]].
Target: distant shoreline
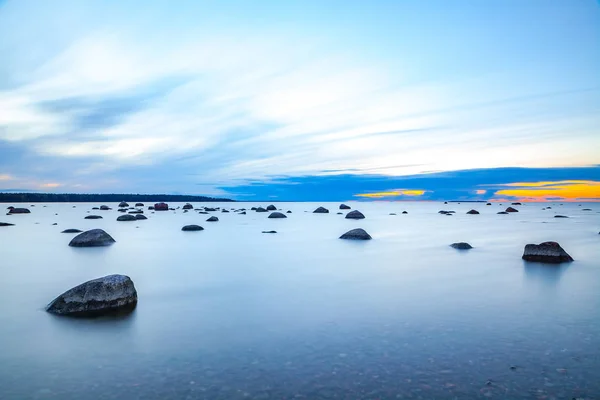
[[108, 198]]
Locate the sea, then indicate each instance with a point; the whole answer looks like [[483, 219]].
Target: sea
[[233, 313]]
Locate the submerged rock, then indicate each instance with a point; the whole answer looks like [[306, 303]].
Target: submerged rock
[[93, 217], [446, 212], [344, 207], [560, 216], [516, 204], [547, 252], [288, 212], [6, 224], [92, 238], [355, 215], [136, 212], [96, 297], [277, 214], [472, 212], [461, 246], [510, 209], [139, 204], [269, 231], [392, 213], [502, 212], [19, 211], [271, 208], [243, 213], [260, 209], [404, 212], [321, 210], [71, 231], [150, 208], [212, 219], [209, 209], [488, 204], [188, 206], [105, 208], [140, 217], [356, 234], [123, 204], [126, 217], [192, 228]]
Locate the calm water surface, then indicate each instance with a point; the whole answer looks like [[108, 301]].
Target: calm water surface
[[231, 313]]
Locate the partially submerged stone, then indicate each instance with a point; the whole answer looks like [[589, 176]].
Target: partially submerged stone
[[510, 209], [93, 217], [96, 297], [547, 252], [271, 207], [344, 207], [355, 215], [277, 214], [321, 210], [161, 207], [6, 224], [72, 231], [92, 238], [19, 211], [140, 217], [356, 234], [192, 228], [126, 217], [461, 246], [472, 212], [212, 219]]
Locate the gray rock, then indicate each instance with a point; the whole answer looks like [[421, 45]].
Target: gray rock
[[288, 212], [93, 217], [150, 208], [126, 217], [139, 204], [224, 211], [560, 216], [510, 209], [461, 246], [105, 208], [446, 212], [92, 238], [188, 206], [96, 297], [516, 204], [355, 215], [488, 204], [260, 209], [502, 212], [95, 208], [212, 219], [356, 234], [472, 212], [123, 204], [71, 231], [140, 217], [243, 213], [321, 210], [547, 252], [404, 212], [271, 208], [392, 213], [277, 214], [586, 209], [209, 209], [269, 231], [136, 212], [344, 207], [6, 224], [19, 211], [192, 228]]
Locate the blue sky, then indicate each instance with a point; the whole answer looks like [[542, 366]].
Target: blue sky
[[207, 97]]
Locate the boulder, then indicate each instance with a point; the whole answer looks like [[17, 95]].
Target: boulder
[[93, 217], [212, 219], [288, 212], [140, 217], [340, 213], [488, 204], [277, 214], [224, 211], [123, 204], [260, 209], [269, 231], [472, 212], [586, 209], [122, 210], [188, 206], [560, 216], [547, 252], [71, 231], [253, 209], [95, 208], [126, 217], [404, 212], [192, 228], [19, 211], [136, 212], [209, 209], [202, 212], [392, 213], [502, 212], [243, 213], [446, 212], [6, 224], [105, 208], [161, 207], [510, 209], [516, 204], [356, 234], [344, 207], [355, 215], [92, 238], [96, 297], [321, 210], [461, 246], [271, 208], [139, 204], [150, 207]]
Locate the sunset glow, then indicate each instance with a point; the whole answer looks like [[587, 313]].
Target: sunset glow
[[570, 190], [392, 193]]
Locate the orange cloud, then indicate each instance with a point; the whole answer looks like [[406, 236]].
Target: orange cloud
[[481, 191], [5, 177], [50, 185], [572, 190], [392, 193]]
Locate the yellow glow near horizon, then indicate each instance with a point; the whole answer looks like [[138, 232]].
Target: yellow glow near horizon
[[50, 185], [393, 193], [570, 190]]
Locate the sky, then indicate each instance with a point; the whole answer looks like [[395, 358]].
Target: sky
[[302, 100]]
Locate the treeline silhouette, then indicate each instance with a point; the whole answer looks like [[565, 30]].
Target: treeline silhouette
[[98, 198]]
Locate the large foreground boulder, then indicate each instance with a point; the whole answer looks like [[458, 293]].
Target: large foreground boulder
[[271, 208], [356, 234], [96, 297], [355, 215], [126, 217], [92, 238], [192, 228], [461, 246], [344, 207], [321, 210], [19, 211], [277, 214], [161, 207], [547, 252]]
